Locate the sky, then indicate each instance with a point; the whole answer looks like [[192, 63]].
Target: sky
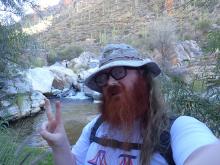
[[28, 10], [48, 3], [43, 4]]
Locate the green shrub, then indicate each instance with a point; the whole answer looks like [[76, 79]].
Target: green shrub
[[103, 38], [13, 153], [52, 57], [69, 52], [19, 99], [37, 61], [203, 25], [213, 41], [12, 42], [205, 4], [184, 100], [198, 85]]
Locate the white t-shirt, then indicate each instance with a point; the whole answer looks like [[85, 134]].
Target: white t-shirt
[[187, 134]]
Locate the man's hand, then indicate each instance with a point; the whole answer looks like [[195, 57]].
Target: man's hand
[[54, 133], [53, 130]]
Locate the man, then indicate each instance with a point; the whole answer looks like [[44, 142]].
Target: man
[[132, 125]]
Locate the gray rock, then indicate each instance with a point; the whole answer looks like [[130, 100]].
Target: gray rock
[[16, 85], [187, 49], [24, 105]]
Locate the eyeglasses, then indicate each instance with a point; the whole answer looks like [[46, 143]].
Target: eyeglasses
[[117, 73]]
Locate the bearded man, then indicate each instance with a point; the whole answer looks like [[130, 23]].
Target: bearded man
[[133, 126]]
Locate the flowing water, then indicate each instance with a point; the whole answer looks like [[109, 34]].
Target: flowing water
[[75, 115]]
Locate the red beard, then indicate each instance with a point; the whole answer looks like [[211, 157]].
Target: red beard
[[121, 106]]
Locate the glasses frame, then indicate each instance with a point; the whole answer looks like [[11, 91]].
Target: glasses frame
[[107, 74]]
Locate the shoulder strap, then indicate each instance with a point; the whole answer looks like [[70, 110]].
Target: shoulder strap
[[164, 147], [110, 142], [98, 122]]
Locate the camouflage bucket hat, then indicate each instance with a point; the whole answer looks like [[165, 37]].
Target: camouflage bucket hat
[[120, 55]]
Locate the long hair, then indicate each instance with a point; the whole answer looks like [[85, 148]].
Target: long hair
[[153, 123], [153, 120]]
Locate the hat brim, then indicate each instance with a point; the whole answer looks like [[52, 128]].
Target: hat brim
[[149, 65]]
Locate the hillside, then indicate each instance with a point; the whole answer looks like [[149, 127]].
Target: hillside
[[89, 24]]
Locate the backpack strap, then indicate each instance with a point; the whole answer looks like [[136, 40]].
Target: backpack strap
[[98, 122], [164, 148], [110, 142]]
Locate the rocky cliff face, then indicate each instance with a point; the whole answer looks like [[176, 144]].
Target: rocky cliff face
[[18, 98]]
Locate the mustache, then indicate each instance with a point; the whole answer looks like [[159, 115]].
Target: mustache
[[113, 89]]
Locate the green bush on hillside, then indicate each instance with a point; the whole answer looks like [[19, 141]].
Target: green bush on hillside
[[205, 4], [69, 52], [203, 25], [213, 41], [37, 61], [52, 57]]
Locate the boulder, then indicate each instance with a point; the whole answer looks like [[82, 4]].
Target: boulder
[[187, 50], [56, 76], [17, 84], [86, 73], [181, 53], [63, 77], [41, 79], [83, 62], [21, 105]]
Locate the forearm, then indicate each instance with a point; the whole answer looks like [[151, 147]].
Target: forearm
[[205, 155], [63, 156]]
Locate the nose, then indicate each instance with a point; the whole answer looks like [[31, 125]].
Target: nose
[[111, 81]]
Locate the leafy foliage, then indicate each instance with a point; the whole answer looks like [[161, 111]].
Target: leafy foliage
[[213, 41], [12, 44], [12, 153], [13, 6], [13, 9], [184, 99], [205, 4], [67, 53], [203, 25]]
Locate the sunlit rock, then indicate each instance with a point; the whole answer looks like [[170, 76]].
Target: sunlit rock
[[41, 79], [63, 77]]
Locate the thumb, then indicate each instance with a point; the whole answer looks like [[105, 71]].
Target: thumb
[[45, 133]]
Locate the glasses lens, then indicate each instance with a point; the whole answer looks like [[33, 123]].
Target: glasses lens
[[118, 73], [101, 79]]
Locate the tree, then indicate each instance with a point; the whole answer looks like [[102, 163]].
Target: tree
[[11, 9], [13, 41], [162, 35]]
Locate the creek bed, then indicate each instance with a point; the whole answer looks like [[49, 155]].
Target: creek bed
[[75, 115]]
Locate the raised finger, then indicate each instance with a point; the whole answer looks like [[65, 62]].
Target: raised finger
[[48, 110], [58, 112], [45, 133]]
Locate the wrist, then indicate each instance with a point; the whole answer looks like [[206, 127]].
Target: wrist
[[61, 148]]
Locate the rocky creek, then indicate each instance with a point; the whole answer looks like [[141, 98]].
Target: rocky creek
[[75, 115]]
